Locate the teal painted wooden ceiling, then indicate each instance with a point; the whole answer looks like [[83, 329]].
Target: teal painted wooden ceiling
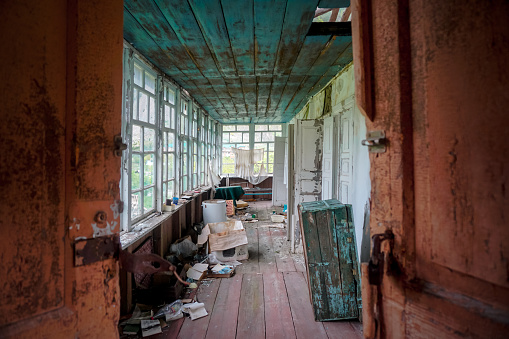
[[244, 61]]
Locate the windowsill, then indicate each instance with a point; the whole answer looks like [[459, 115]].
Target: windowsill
[[147, 225]]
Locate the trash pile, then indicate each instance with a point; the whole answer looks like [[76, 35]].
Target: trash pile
[[215, 253]]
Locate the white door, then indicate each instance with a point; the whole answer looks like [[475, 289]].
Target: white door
[[328, 159], [346, 158], [279, 190]]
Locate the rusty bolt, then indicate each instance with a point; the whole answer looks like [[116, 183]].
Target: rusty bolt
[[100, 217]]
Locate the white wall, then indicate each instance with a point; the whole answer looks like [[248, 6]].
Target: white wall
[[343, 100]]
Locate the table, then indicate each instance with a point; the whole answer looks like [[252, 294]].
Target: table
[[229, 193]]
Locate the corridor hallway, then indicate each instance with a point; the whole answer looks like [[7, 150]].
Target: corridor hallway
[[267, 298]]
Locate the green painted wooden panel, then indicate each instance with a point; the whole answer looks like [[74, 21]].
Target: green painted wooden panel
[[331, 258]]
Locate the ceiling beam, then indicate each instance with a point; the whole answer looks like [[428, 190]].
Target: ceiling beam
[[330, 28]]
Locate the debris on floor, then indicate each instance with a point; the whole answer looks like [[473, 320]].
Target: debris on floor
[[150, 327], [195, 310]]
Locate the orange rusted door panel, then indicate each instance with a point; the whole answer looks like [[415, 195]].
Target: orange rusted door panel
[[441, 185]]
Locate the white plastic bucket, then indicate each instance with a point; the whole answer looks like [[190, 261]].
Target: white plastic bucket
[[214, 211]]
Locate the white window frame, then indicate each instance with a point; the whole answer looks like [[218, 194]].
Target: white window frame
[[160, 151]]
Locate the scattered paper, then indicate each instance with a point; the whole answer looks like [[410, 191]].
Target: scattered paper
[[218, 268], [195, 310], [150, 327]]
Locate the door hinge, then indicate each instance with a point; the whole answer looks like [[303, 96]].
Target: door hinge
[[119, 145], [376, 142]]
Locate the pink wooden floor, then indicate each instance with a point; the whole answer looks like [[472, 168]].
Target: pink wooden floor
[[267, 298]]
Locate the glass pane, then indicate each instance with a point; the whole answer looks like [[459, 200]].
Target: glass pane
[[245, 137], [228, 169], [138, 75], [167, 116], [271, 146], [279, 134], [184, 183], [202, 179], [195, 163], [242, 127], [226, 137], [172, 118], [150, 83], [260, 146], [165, 142], [135, 104], [152, 118], [242, 146], [271, 168], [202, 163], [195, 147], [225, 146], [149, 139], [164, 192], [235, 137], [257, 167], [165, 166], [275, 127], [135, 205], [182, 123], [261, 128], [228, 128], [171, 142], [258, 136], [271, 157], [184, 164], [143, 107], [171, 166], [148, 200], [135, 171], [148, 170], [171, 190], [136, 138], [195, 180], [171, 96], [268, 136]]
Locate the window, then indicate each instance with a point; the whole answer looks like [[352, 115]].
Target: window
[[264, 137], [233, 136], [166, 153], [247, 137], [184, 145], [168, 130], [143, 144]]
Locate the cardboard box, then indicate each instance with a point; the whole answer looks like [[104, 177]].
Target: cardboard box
[[226, 240]]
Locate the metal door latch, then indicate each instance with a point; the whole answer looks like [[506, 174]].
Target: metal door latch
[[119, 145], [376, 263], [376, 142]]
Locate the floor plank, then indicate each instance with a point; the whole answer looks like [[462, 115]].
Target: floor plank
[[278, 317], [251, 265], [300, 305], [223, 320], [266, 259], [341, 329], [251, 320], [198, 328]]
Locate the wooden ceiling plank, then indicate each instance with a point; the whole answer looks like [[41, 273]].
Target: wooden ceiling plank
[[263, 84], [298, 17], [276, 91], [180, 17], [239, 19], [329, 55], [249, 89], [154, 23], [268, 20], [209, 15]]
